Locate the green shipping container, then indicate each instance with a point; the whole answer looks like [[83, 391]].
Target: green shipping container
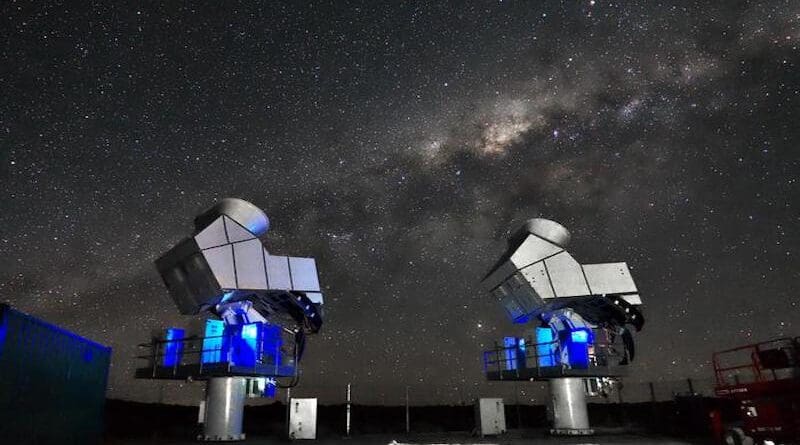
[[52, 383]]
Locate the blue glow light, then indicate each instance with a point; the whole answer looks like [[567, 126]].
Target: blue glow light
[[578, 348], [544, 347], [244, 340], [271, 344], [9, 312], [226, 296], [174, 347], [271, 388], [510, 344], [520, 319], [580, 336], [250, 332], [3, 328], [249, 344], [514, 353], [258, 226], [212, 343]]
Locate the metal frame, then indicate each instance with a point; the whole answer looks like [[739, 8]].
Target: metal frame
[[190, 363], [767, 396], [495, 363], [757, 372]]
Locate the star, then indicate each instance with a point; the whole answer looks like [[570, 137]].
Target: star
[[400, 145]]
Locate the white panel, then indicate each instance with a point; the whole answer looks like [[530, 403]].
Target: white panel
[[315, 297], [498, 276], [533, 249], [499, 292], [236, 232], [212, 236], [220, 260], [304, 274], [521, 299], [250, 273], [566, 275], [513, 307], [538, 279], [609, 278], [278, 272], [632, 299], [201, 412], [303, 419], [492, 415]]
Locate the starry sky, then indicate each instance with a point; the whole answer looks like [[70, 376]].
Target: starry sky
[[400, 144]]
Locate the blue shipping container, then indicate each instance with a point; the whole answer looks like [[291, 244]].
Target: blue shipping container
[[52, 383]]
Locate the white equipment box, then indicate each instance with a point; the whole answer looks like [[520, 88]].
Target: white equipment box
[[303, 419], [490, 417]]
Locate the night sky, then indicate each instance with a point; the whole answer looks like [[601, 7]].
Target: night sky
[[399, 144]]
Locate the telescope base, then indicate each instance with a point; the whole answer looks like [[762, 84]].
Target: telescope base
[[224, 413], [568, 405]]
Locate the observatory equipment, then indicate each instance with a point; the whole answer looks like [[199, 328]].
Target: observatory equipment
[[490, 417], [260, 308], [302, 419], [582, 312]]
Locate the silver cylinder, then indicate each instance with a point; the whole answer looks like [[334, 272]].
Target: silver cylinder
[[224, 411], [246, 214], [549, 230], [568, 404]]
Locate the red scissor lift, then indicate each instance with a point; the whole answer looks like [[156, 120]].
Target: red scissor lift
[[763, 381]]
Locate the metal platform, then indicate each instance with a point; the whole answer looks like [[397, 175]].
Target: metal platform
[[193, 358], [552, 372], [513, 363], [763, 381], [761, 365], [208, 370]]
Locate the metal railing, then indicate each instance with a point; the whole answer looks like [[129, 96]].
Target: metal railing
[[746, 364], [190, 352], [508, 358]]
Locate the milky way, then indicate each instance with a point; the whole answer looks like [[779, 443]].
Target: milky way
[[400, 144]]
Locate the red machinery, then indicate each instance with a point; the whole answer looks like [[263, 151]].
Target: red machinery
[[763, 381]]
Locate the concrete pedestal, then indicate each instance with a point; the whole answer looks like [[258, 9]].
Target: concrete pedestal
[[568, 405], [224, 409]]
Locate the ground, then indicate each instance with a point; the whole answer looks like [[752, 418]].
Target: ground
[[512, 438]]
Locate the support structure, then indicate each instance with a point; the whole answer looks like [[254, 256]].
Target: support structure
[[260, 308], [581, 313], [347, 421], [568, 404], [224, 409]]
